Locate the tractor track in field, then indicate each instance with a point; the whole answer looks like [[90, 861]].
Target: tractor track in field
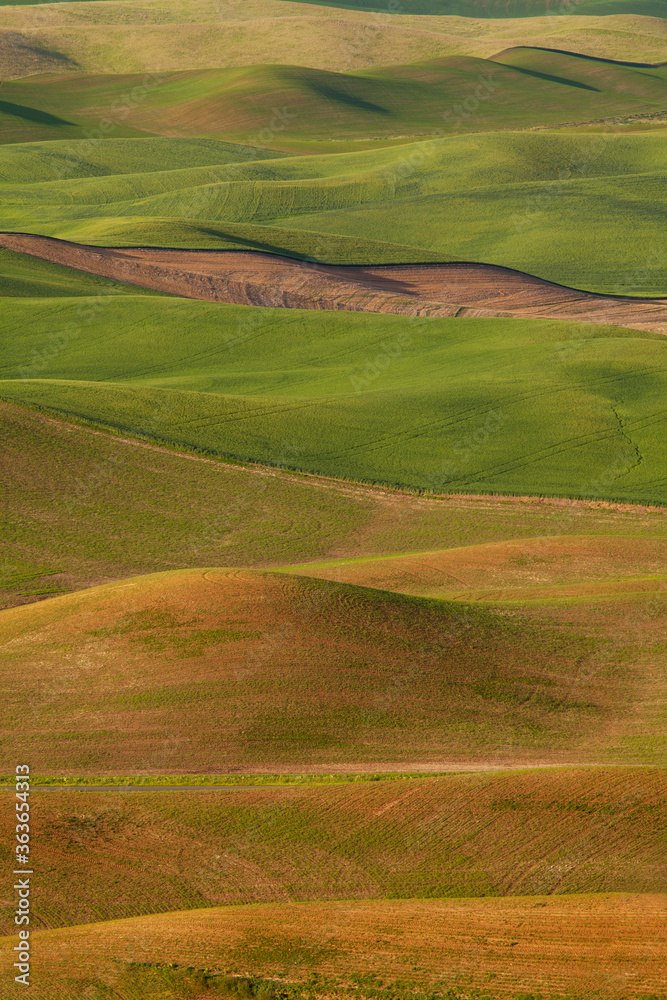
[[255, 278]]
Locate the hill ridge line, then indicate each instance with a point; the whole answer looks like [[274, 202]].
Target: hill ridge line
[[576, 55]]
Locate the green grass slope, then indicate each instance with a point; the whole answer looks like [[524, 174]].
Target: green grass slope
[[483, 834], [519, 88], [161, 509], [501, 198], [47, 161], [475, 405]]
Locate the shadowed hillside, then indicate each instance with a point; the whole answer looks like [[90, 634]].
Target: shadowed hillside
[[239, 669], [267, 105]]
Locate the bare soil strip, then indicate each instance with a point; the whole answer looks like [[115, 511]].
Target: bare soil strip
[[262, 279]]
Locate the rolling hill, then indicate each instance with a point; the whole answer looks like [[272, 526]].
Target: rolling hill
[[333, 594], [270, 105], [542, 570], [541, 832], [195, 671], [575, 946], [510, 199], [136, 36], [441, 405], [231, 669], [159, 509]]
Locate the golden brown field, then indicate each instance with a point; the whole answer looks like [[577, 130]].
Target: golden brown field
[[601, 946], [219, 670]]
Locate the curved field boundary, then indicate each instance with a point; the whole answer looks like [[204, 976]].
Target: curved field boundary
[[262, 279]]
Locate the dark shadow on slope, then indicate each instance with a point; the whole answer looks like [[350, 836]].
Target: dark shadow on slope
[[555, 79], [31, 114], [332, 94], [575, 55]]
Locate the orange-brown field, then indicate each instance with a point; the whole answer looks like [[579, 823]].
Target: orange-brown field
[[110, 854], [585, 946], [263, 279], [224, 670], [526, 569]]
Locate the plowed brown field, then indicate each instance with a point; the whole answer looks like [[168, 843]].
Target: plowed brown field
[[261, 279]]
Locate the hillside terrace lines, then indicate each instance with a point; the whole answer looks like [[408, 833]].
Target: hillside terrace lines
[[262, 279]]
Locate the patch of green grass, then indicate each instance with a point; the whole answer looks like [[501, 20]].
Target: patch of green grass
[[159, 630], [456, 406], [511, 199], [178, 780]]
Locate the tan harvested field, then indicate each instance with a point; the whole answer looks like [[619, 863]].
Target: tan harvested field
[[260, 279], [111, 854], [159, 36], [590, 946], [519, 570]]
